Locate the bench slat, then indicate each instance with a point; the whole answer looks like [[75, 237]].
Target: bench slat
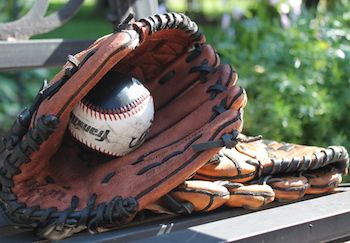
[[43, 53]]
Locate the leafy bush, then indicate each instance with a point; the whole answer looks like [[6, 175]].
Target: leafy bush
[[11, 9], [15, 94], [297, 78]]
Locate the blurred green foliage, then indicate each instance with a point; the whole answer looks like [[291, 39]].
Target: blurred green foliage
[[15, 94], [10, 10], [297, 78], [209, 8]]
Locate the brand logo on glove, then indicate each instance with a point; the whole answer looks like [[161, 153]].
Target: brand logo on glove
[[100, 134]]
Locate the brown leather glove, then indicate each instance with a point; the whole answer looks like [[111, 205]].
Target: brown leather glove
[[50, 182], [256, 172]]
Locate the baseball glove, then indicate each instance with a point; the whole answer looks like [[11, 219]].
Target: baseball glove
[[52, 183], [255, 173]]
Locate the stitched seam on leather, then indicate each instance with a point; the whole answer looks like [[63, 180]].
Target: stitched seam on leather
[[239, 176], [188, 162], [247, 193], [202, 191], [69, 100]]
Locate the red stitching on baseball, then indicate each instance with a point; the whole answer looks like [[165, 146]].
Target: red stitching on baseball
[[125, 108], [116, 114], [92, 146]]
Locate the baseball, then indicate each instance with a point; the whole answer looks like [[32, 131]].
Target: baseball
[[115, 116]]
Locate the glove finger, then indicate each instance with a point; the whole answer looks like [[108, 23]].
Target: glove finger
[[288, 188], [248, 196], [183, 105], [229, 165], [288, 158], [182, 74], [323, 180], [279, 157], [203, 195]]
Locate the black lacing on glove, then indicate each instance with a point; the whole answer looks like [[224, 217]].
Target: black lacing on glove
[[21, 124], [217, 88], [335, 155], [13, 159], [116, 211], [204, 69], [16, 149], [177, 206], [196, 52], [159, 22], [227, 140]]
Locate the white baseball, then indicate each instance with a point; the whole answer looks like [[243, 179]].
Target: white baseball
[[114, 131]]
